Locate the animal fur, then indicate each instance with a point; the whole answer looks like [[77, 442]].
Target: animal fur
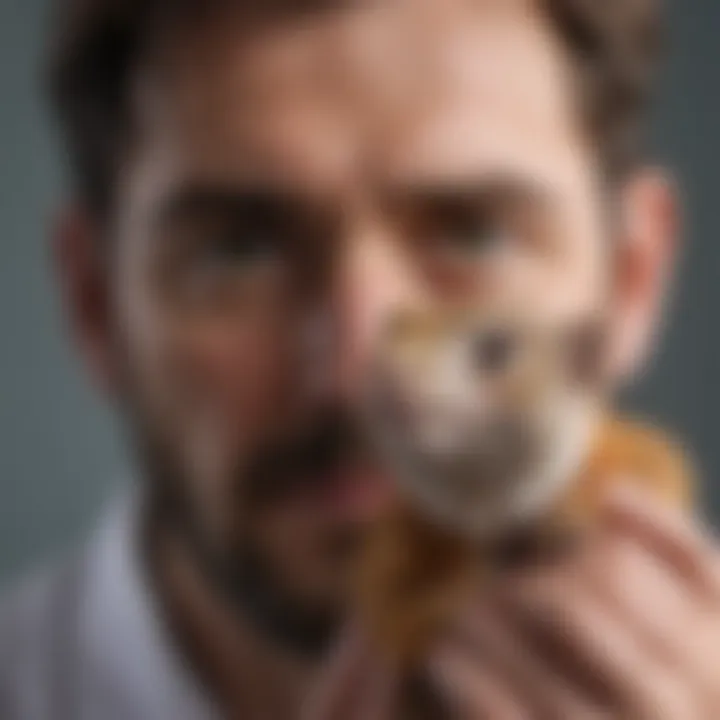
[[416, 570]]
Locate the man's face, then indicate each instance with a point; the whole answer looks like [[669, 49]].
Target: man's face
[[290, 187]]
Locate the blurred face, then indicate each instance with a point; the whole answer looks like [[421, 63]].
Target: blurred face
[[290, 187]]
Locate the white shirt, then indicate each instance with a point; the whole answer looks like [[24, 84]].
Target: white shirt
[[84, 641]]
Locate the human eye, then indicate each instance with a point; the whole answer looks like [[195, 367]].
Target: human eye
[[238, 252], [235, 266], [468, 234], [223, 257], [462, 234]]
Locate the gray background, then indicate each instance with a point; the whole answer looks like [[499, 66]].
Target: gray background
[[58, 453]]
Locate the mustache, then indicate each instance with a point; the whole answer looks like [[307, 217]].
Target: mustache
[[307, 458]]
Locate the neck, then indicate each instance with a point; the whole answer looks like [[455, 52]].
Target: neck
[[245, 673]]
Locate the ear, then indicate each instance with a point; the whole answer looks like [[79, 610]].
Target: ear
[[644, 261], [79, 254]]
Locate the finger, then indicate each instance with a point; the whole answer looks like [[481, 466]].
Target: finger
[[473, 690], [644, 594], [518, 659], [350, 683], [581, 633], [338, 677], [640, 591], [379, 694], [669, 534]]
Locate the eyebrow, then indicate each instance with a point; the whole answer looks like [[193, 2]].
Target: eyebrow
[[202, 200], [482, 191]]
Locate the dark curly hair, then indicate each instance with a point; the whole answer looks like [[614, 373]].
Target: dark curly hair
[[615, 46]]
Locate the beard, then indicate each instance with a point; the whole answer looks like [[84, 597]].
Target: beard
[[236, 565]]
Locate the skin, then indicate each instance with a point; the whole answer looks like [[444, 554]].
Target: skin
[[217, 337]]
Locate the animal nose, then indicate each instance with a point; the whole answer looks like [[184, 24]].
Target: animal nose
[[494, 350]]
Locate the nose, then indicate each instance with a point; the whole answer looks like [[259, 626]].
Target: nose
[[371, 279]]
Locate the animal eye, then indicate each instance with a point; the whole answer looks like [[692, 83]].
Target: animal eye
[[494, 351]]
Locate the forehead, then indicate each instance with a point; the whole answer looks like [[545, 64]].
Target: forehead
[[379, 90]]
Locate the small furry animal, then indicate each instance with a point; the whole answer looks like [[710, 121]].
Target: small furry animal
[[496, 429]]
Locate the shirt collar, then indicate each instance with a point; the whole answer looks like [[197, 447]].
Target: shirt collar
[[126, 647]]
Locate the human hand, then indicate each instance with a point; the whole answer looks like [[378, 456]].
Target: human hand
[[354, 684], [629, 629]]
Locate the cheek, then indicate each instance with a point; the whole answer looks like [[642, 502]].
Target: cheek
[[567, 282], [239, 380], [210, 389], [244, 373], [213, 396]]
